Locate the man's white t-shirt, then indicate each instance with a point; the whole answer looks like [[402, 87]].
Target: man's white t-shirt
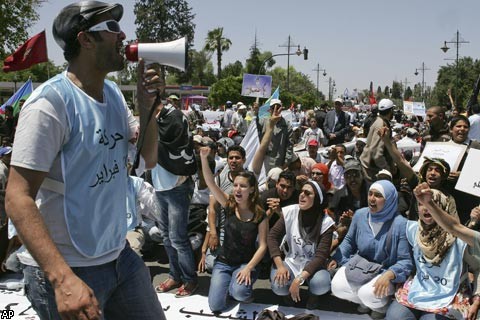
[[41, 132]]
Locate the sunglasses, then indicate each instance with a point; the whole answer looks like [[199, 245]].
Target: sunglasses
[[109, 25], [317, 173], [352, 175]]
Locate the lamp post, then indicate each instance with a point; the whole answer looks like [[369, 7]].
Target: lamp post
[[457, 41], [331, 88], [298, 53], [318, 73], [423, 69]]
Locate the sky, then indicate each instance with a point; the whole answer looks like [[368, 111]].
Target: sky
[[354, 41]]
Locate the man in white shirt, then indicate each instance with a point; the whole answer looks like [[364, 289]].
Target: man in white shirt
[[474, 132], [69, 159]]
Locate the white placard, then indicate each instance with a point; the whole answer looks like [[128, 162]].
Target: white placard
[[451, 152], [469, 180]]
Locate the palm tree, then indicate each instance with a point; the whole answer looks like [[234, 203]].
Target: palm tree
[[216, 42]]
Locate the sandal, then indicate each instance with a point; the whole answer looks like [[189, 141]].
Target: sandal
[[187, 290], [167, 285]]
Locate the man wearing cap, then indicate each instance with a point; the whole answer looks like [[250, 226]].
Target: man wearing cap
[[352, 196], [280, 149], [195, 117], [239, 124], [172, 101], [69, 159], [336, 125], [374, 156], [312, 148], [227, 115]]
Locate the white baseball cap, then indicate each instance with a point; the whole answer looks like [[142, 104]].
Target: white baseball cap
[[385, 104]]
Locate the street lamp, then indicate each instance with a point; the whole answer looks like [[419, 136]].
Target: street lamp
[[331, 88], [423, 69], [457, 41], [288, 54], [318, 73]]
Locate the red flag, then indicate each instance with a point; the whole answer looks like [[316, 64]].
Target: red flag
[[31, 52], [371, 98]]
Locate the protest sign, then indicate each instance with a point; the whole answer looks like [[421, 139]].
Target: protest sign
[[469, 180], [451, 152], [256, 86]]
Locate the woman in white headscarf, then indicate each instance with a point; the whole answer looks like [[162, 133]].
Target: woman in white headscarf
[[307, 232], [377, 234]]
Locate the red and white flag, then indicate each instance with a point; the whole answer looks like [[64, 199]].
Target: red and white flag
[[31, 52]]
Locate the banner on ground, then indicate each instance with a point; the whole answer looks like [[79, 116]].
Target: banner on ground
[[414, 108], [256, 86], [469, 180]]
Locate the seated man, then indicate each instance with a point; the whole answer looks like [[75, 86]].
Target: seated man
[[284, 194], [345, 201]]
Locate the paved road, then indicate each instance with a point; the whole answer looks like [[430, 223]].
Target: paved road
[[262, 292]]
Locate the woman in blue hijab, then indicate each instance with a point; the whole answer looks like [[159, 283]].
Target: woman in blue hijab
[[377, 234]]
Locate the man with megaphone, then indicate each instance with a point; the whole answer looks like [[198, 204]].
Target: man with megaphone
[[69, 158]]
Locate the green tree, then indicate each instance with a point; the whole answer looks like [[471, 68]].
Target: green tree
[[39, 73], [202, 68], [386, 91], [254, 62], [408, 93], [466, 75], [233, 69], [216, 42], [396, 90], [162, 21], [225, 89], [16, 19]]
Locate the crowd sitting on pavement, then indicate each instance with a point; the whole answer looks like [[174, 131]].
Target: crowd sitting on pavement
[[325, 199], [321, 208]]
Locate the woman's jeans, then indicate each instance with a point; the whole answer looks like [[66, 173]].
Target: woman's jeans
[[224, 283], [318, 284]]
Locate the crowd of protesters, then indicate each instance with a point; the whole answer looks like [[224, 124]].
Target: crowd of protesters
[[323, 197]]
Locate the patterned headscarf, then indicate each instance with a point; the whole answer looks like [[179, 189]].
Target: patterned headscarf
[[389, 210], [432, 239]]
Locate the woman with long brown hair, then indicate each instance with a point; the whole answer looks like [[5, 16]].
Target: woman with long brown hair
[[245, 224]]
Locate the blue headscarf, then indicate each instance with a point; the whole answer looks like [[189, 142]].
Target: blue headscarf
[[389, 211]]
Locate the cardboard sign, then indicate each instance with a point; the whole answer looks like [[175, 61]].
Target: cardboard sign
[[469, 180], [451, 152], [256, 86]]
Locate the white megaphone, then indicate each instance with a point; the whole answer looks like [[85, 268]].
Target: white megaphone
[[172, 54]]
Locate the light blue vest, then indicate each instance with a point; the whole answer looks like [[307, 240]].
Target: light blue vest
[[434, 286], [134, 185], [93, 166]]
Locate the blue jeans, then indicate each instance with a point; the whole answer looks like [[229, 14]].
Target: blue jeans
[[401, 312], [174, 209], [224, 282], [122, 287], [318, 284]]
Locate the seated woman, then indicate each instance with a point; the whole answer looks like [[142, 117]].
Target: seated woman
[[234, 269], [440, 287], [307, 232], [377, 233]]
